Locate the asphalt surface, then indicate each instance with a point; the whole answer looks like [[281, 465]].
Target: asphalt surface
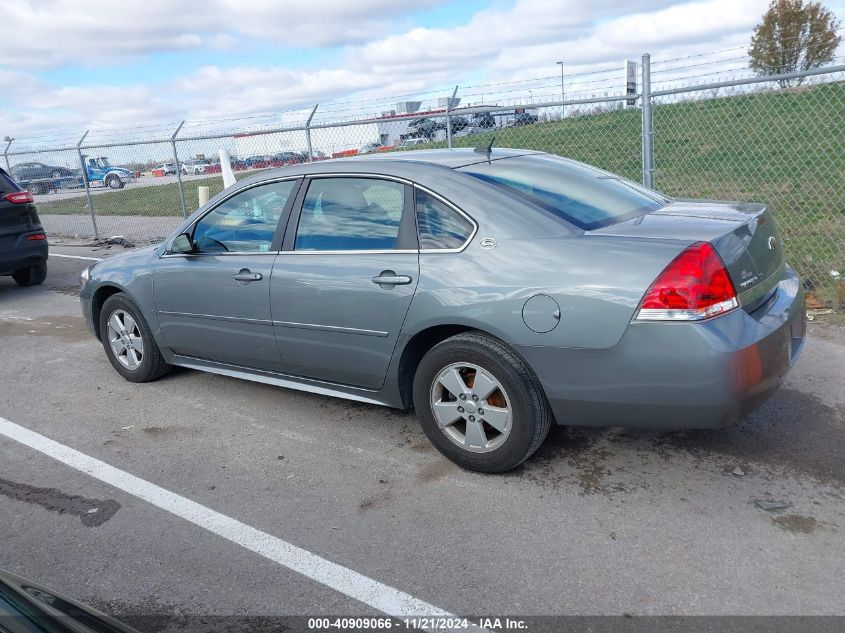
[[604, 521]]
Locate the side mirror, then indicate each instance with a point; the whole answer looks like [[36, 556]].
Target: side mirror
[[182, 244]]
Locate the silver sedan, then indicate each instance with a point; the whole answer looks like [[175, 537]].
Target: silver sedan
[[496, 292]]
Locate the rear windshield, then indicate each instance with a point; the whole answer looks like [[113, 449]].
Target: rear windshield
[[7, 185], [587, 197]]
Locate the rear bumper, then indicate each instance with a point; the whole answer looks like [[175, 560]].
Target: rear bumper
[[678, 375], [23, 255]]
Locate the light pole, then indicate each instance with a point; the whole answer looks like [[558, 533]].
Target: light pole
[[562, 98]]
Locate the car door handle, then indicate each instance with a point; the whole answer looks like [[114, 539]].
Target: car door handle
[[245, 275], [390, 278]]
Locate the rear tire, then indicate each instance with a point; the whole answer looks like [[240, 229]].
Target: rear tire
[[128, 342], [31, 276], [480, 404]]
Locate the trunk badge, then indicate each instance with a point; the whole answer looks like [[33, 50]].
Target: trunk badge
[[772, 242]]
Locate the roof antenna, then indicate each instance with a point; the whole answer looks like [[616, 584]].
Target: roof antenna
[[481, 149]]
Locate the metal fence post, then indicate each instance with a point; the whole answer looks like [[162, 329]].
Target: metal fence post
[[449, 118], [179, 170], [647, 125], [308, 133], [87, 186], [8, 140]]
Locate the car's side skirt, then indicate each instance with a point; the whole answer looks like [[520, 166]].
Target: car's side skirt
[[284, 380]]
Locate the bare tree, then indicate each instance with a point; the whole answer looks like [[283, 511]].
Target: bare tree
[[793, 36]]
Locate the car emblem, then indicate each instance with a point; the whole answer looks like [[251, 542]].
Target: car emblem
[[488, 242], [772, 242]]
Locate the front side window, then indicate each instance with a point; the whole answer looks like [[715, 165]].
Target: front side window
[[246, 222], [585, 196], [439, 225], [350, 214]]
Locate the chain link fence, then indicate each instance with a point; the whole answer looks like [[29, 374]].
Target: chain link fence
[[742, 139]]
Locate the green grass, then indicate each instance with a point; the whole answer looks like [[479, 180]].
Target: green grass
[[784, 148], [154, 200]]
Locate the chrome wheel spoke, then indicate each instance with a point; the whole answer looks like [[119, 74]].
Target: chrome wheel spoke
[[496, 417], [454, 382], [137, 343], [132, 358], [115, 323], [446, 413], [129, 324], [484, 385], [117, 346], [475, 436]]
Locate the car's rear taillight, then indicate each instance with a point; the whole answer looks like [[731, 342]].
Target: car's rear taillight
[[694, 286], [19, 197], [36, 238]]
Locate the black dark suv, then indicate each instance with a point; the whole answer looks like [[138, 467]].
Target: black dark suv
[[23, 244]]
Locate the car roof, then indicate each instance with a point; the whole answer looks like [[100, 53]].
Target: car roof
[[452, 158]]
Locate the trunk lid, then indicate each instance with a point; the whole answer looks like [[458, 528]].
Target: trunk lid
[[744, 234]]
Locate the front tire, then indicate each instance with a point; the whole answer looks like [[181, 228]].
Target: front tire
[[480, 404], [31, 276], [115, 182], [128, 342]]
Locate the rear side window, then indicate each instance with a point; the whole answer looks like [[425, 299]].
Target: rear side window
[[439, 225], [7, 185], [584, 196], [350, 214]]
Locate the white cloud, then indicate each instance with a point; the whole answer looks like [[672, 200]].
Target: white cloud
[[49, 33], [503, 43]]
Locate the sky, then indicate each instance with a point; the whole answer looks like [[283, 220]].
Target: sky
[[67, 66]]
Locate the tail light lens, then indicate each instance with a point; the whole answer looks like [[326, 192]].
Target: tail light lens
[[36, 238], [19, 197], [695, 286]]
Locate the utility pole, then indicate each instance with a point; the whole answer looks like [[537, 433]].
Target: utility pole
[[562, 95]]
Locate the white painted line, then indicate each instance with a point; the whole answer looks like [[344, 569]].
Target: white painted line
[[379, 596], [93, 259]]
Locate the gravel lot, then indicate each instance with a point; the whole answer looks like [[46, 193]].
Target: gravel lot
[[603, 521]]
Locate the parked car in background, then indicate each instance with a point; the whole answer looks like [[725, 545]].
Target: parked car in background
[[413, 142], [495, 292], [484, 120], [289, 158], [39, 178], [523, 118], [258, 161], [33, 171], [425, 127], [23, 243], [369, 148], [195, 167], [459, 123], [469, 131], [167, 169]]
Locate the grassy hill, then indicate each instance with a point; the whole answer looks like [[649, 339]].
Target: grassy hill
[[784, 148]]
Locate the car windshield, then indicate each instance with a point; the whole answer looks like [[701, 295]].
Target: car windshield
[[587, 197]]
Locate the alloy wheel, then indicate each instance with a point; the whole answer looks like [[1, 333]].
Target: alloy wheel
[[125, 339], [471, 407]]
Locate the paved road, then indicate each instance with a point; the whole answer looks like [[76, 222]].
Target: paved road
[[600, 521]]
